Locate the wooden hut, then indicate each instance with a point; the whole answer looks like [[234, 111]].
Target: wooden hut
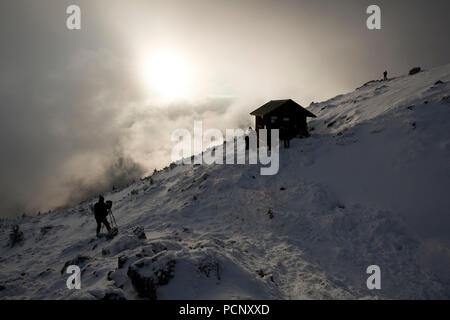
[[286, 115]]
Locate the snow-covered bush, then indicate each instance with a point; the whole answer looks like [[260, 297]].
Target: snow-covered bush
[[16, 236], [140, 233], [270, 213], [209, 267]]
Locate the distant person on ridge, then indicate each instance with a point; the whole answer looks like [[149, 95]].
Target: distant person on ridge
[[385, 75], [248, 133], [101, 212]]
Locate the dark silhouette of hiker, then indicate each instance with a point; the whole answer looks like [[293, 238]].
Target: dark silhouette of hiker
[[284, 136], [101, 212], [385, 75]]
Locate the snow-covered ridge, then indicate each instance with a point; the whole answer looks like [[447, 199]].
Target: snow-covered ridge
[[368, 187]]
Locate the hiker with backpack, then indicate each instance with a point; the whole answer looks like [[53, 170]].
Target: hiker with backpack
[[101, 210], [385, 75]]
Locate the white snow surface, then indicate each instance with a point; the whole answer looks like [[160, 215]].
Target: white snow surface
[[372, 188]]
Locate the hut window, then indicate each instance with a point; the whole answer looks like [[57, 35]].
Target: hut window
[[286, 119], [273, 119]]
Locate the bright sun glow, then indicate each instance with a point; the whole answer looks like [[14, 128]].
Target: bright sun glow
[[168, 75]]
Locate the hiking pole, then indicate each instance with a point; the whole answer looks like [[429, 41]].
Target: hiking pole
[[112, 218]]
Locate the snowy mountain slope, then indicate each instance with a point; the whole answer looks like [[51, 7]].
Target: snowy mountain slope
[[402, 132], [368, 187]]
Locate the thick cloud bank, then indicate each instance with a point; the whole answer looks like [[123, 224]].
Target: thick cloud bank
[[69, 135]]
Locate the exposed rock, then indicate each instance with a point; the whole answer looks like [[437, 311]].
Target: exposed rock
[[414, 71], [153, 249], [331, 123], [148, 274], [78, 261], [121, 261], [45, 230]]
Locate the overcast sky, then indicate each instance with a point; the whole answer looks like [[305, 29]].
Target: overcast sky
[[86, 109]]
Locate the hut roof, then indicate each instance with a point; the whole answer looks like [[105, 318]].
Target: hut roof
[[275, 104]]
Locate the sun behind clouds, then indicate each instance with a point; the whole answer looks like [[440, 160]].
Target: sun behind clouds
[[167, 74]]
